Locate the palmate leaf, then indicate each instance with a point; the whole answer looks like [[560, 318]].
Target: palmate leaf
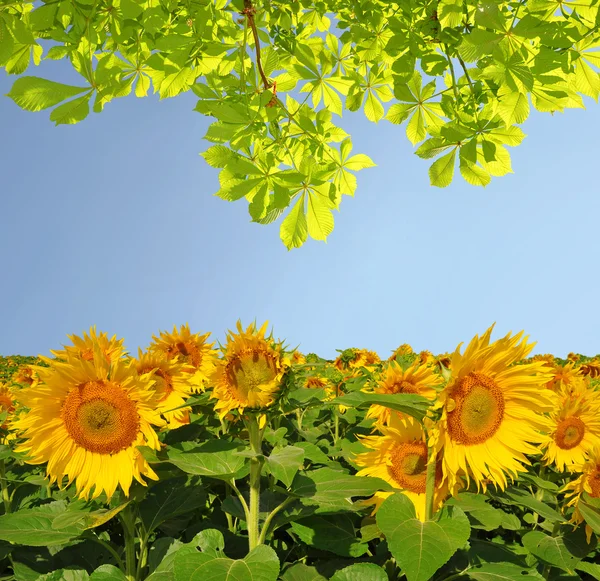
[[533, 53]]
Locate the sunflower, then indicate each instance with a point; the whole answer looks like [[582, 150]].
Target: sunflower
[[86, 419], [191, 348], [404, 349], [416, 379], [491, 411], [297, 358], [575, 426], [7, 407], [172, 385], [83, 347], [25, 375], [399, 456], [588, 481], [563, 376], [250, 373], [353, 359], [426, 357]]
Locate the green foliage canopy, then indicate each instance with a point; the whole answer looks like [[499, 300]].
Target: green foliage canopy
[[460, 74]]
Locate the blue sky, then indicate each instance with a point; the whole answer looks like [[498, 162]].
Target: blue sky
[[112, 222]]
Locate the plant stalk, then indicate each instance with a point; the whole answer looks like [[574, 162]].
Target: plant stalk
[[129, 536], [256, 464], [4, 485], [430, 484]]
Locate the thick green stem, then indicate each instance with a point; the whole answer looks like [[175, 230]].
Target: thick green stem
[[256, 464], [4, 485], [430, 485], [127, 520], [336, 436]]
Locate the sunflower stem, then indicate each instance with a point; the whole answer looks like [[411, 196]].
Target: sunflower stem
[[129, 536], [4, 485], [430, 485], [256, 464]]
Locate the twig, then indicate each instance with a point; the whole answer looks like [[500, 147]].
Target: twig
[[249, 11]]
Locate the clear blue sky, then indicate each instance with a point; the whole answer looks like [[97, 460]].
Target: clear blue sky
[[112, 222]]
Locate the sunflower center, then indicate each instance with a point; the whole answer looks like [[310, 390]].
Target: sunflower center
[[248, 371], [188, 351], [594, 482], [569, 433], [408, 466], [404, 387], [100, 417], [475, 409]]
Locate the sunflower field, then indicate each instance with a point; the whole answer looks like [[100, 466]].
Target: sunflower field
[[252, 461]]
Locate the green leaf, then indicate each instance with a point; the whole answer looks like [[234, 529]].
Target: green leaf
[[168, 499], [441, 171], [284, 463], [330, 488], [503, 572], [217, 155], [373, 108], [215, 458], [319, 216], [35, 94], [590, 512], [408, 403], [421, 548], [563, 551], [33, 527], [65, 575], [301, 572], [261, 564], [481, 514], [334, 533], [522, 498], [108, 573], [589, 568], [71, 112], [513, 108], [361, 572], [294, 228]]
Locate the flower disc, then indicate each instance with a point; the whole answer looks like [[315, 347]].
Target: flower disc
[[100, 417], [475, 409]]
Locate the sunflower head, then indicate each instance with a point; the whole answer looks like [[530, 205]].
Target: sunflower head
[[249, 374], [404, 349], [297, 358], [353, 359], [172, 384], [416, 379], [400, 456], [563, 376], [491, 411], [426, 358], [588, 481], [574, 427], [193, 349], [86, 418], [112, 349], [7, 407], [25, 375]]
